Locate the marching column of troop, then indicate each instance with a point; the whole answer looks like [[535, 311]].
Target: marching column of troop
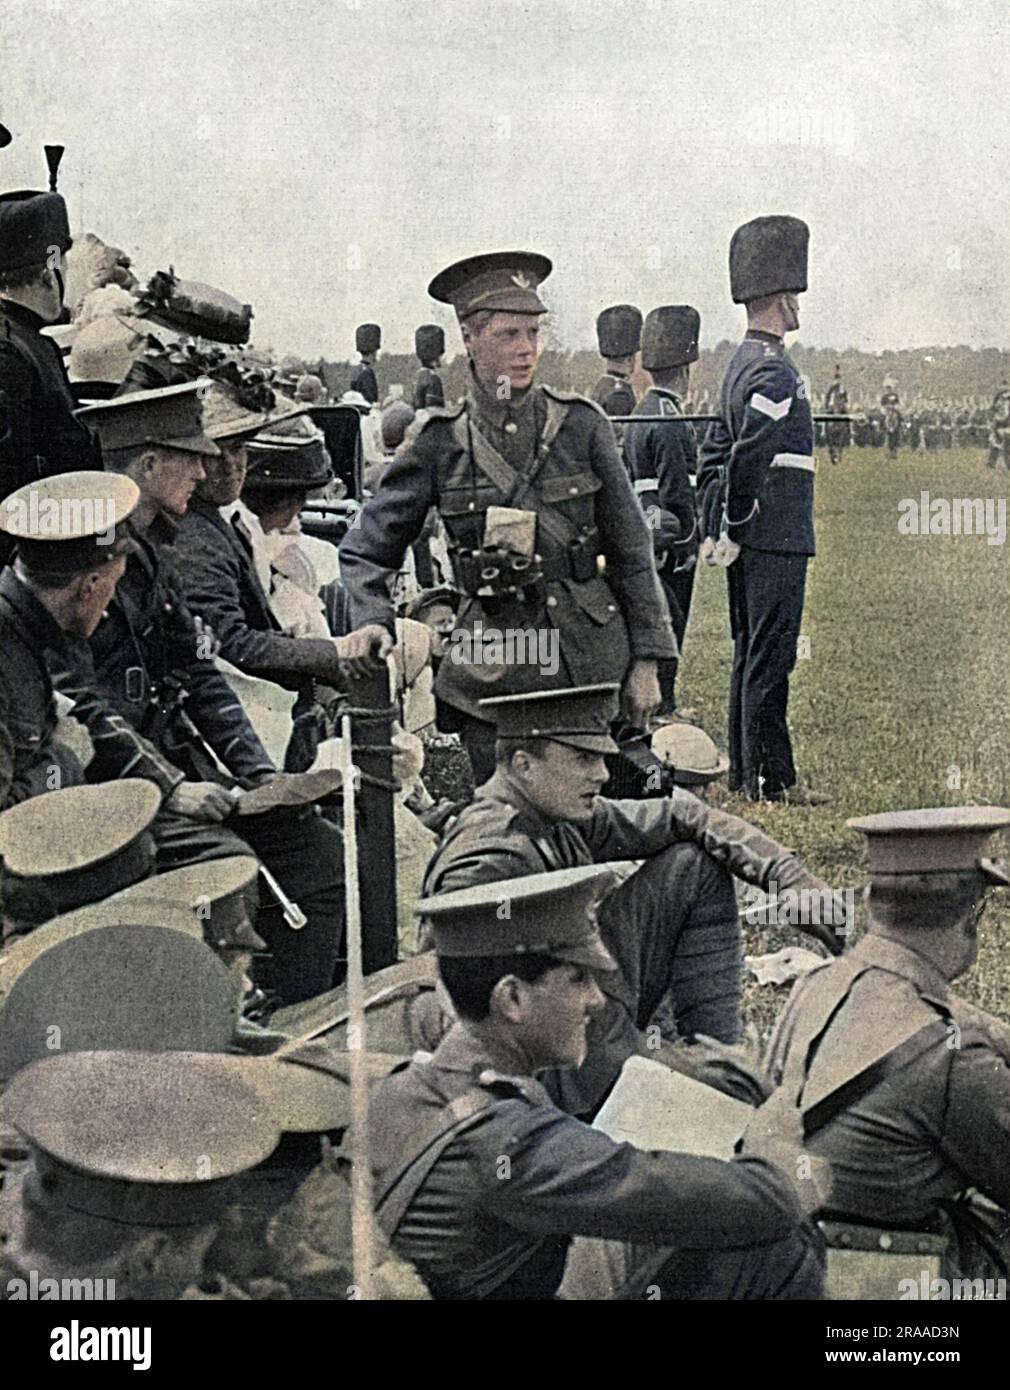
[[177, 655]]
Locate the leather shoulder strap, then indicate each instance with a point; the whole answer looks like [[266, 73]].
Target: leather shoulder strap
[[400, 1189]]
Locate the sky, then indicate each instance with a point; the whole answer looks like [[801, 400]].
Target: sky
[[322, 160]]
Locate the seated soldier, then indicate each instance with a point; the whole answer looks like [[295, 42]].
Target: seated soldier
[[672, 925], [153, 667], [902, 1086], [481, 1181]]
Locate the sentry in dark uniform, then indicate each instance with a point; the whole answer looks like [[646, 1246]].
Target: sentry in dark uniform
[[367, 340], [903, 1086], [39, 435], [429, 344], [672, 926], [757, 487], [662, 460], [546, 538], [839, 433], [152, 668], [619, 336], [481, 1181]]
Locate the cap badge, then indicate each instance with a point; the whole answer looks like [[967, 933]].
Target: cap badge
[[522, 281]]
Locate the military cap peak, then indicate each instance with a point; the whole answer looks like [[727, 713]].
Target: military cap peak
[[551, 914], [580, 717], [170, 417], [937, 839], [500, 281], [86, 505]]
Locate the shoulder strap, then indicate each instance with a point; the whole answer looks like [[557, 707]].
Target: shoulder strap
[[519, 488], [856, 1087], [400, 1189]]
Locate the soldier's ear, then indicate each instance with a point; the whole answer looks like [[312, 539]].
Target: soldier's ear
[[506, 1000]]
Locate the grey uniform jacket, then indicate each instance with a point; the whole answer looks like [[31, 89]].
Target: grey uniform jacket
[[494, 1215]]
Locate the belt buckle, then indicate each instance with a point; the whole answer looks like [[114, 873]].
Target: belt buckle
[[134, 684]]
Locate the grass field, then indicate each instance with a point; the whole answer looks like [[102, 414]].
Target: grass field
[[904, 699]]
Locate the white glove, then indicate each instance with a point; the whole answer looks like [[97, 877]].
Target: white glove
[[726, 551]]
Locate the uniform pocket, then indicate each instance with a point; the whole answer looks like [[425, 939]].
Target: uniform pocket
[[569, 487]]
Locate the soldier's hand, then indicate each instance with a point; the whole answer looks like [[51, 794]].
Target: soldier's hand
[[364, 651], [641, 696], [707, 550], [204, 801]]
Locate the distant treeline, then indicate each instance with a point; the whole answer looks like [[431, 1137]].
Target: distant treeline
[[946, 373]]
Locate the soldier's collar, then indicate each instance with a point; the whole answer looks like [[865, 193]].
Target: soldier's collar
[[759, 335], [463, 1051], [499, 413], [163, 529], [46, 631], [665, 391], [902, 960]]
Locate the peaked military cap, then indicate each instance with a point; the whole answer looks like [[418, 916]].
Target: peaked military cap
[[619, 330], [171, 416], [551, 914], [220, 894], [368, 337], [429, 342], [505, 281], [65, 523], [580, 717], [124, 988], [290, 453], [290, 789], [19, 952], [140, 1138], [81, 843], [934, 840], [690, 752], [768, 256], [670, 337]]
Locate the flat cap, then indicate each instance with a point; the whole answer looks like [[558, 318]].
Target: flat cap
[[429, 341], [670, 337], [768, 256], [70, 521], [121, 988], [367, 337], [505, 281], [551, 914], [619, 330], [690, 752], [171, 416], [933, 840], [80, 843], [580, 717], [289, 453], [30, 223], [175, 1124]]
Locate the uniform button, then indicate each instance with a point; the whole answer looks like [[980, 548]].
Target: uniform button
[[471, 506], [511, 427], [573, 491], [885, 1241], [552, 602], [534, 733], [167, 607], [611, 607]]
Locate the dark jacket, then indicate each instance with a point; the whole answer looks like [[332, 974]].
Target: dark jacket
[[485, 453], [663, 462], [39, 435], [215, 564], [33, 649], [428, 390], [474, 1230], [939, 1126], [757, 460], [149, 656], [364, 380]]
